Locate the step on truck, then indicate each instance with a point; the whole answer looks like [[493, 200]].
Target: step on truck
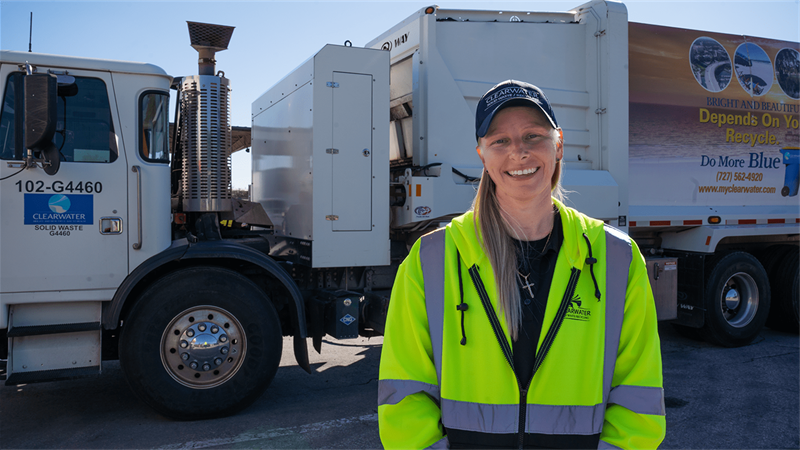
[[120, 239]]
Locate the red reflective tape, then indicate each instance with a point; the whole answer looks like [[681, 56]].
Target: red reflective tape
[[633, 223], [747, 221], [660, 223], [776, 220], [708, 240], [692, 222]]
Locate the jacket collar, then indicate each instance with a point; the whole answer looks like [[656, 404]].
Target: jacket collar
[[467, 236]]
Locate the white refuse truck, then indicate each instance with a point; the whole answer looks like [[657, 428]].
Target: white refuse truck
[[120, 239], [686, 139]]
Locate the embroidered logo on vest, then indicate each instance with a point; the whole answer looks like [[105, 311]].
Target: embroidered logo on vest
[[575, 312]]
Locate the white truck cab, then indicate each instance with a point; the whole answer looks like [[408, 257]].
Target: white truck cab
[[73, 237]]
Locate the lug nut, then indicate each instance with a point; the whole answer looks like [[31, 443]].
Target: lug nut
[[185, 356], [193, 365], [223, 338], [218, 361], [215, 329], [224, 350], [201, 327], [206, 366], [190, 333], [184, 344]]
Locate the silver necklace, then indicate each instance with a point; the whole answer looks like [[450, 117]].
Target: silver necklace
[[529, 284]]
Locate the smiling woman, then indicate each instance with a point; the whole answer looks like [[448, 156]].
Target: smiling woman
[[553, 283], [521, 152]]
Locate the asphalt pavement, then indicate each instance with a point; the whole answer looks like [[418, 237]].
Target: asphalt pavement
[[744, 398]]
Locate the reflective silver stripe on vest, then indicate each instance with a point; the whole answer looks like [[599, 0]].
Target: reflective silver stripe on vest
[[431, 257], [442, 443], [391, 392], [503, 419], [639, 399], [619, 255], [548, 419], [603, 445]]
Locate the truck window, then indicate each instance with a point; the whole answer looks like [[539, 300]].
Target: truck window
[[154, 123], [84, 132], [8, 121]]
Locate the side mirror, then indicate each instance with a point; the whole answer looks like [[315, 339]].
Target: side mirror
[[67, 86], [41, 92]]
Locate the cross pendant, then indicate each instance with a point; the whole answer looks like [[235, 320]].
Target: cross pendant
[[528, 284]]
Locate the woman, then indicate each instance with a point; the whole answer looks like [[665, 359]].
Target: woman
[[523, 323]]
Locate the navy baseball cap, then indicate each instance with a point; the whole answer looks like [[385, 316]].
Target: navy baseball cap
[[510, 93]]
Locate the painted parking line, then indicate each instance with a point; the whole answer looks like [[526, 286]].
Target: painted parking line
[[275, 433]]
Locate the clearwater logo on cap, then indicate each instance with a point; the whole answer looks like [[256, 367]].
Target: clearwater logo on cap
[[510, 93]]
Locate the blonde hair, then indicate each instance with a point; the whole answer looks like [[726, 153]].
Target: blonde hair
[[496, 234]]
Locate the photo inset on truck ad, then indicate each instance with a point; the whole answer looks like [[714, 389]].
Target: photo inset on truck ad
[[711, 64], [753, 69], [787, 71]]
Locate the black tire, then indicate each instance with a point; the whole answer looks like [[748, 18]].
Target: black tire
[[785, 310], [212, 317], [737, 299], [771, 257]]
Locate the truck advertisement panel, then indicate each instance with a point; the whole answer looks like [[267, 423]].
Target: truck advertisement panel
[[713, 119]]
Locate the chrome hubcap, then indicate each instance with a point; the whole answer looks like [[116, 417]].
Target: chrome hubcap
[[203, 347], [739, 302]]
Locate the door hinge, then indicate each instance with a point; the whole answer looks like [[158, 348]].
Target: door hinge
[[331, 217], [332, 151], [332, 84]]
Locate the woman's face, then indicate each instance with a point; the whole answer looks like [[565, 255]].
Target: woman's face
[[519, 151]]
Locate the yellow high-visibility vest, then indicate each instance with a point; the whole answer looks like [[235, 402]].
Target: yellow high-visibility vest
[[599, 383]]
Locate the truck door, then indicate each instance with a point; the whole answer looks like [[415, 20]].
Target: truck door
[[67, 233]]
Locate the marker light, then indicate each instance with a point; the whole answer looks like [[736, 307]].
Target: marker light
[[714, 220], [430, 10]]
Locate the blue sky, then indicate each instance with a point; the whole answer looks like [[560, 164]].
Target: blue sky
[[272, 38]]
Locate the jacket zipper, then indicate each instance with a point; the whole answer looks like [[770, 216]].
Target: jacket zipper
[[506, 349], [549, 338], [523, 407]]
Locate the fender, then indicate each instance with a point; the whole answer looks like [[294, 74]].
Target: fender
[[181, 250]]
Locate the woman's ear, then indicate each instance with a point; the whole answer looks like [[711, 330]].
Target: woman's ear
[[560, 145]]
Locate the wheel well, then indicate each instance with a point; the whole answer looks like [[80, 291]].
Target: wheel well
[[278, 293]]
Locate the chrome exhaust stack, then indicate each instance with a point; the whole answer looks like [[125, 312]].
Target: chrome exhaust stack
[[204, 103]]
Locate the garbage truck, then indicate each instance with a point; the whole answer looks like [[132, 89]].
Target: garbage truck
[[120, 238]]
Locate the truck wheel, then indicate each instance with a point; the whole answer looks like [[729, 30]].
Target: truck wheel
[[785, 312], [201, 343], [772, 259], [736, 299]]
